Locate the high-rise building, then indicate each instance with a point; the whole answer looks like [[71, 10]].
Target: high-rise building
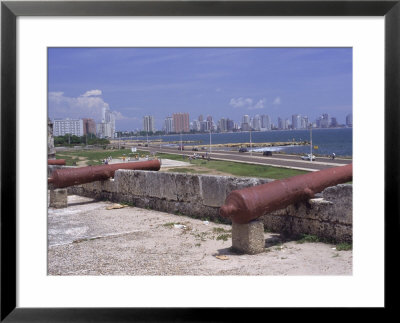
[[230, 125], [265, 122], [349, 120], [256, 124], [148, 124], [296, 121], [62, 127], [325, 121], [200, 118], [245, 125], [169, 124], [196, 125], [286, 124], [204, 126], [89, 126], [245, 119], [280, 123], [181, 122], [223, 125], [304, 122], [106, 129]]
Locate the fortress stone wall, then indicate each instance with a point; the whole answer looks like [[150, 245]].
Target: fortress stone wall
[[328, 216]]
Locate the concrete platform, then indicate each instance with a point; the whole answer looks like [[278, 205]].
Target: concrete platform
[[93, 238]]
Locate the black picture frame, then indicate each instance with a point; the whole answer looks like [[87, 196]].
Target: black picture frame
[[10, 10]]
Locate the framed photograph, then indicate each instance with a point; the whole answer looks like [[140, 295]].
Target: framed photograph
[[358, 41]]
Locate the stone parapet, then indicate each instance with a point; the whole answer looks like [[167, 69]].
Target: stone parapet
[[328, 216]]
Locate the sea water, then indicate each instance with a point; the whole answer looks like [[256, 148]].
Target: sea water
[[324, 141]]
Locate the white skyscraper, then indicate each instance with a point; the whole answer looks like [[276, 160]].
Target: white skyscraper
[[265, 122], [245, 126], [223, 125], [257, 122], [106, 128], [148, 124], [325, 121], [195, 125], [296, 121], [169, 124], [304, 122]]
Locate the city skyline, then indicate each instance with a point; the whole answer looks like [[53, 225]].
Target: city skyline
[[221, 82]]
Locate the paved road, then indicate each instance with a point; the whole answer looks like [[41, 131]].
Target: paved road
[[281, 160]]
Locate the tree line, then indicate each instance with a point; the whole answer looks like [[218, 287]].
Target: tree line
[[69, 140]]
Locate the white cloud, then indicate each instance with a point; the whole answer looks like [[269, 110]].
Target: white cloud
[[88, 105], [118, 115], [258, 105], [247, 103], [241, 102], [277, 101], [92, 93]]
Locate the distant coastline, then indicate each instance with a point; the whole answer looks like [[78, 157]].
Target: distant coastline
[[327, 140]]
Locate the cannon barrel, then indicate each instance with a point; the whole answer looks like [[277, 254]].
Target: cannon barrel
[[61, 178], [56, 162], [247, 204]]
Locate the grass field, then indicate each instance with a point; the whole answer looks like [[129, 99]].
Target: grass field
[[91, 157], [236, 169], [95, 157]]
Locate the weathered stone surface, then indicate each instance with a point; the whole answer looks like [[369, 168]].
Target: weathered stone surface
[[51, 151], [131, 181], [213, 190], [284, 221], [341, 197], [327, 216], [188, 187], [237, 183], [168, 190], [58, 198], [153, 185], [248, 238]]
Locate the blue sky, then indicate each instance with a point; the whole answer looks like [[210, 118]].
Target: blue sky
[[221, 82]]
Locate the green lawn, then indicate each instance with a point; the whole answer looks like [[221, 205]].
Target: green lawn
[[95, 157], [237, 169]]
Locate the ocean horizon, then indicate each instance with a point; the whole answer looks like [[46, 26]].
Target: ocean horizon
[[327, 141]]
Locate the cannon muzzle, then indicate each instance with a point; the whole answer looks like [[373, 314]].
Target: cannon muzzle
[[247, 204], [74, 176]]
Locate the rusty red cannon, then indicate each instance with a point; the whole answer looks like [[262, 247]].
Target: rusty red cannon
[[56, 162], [65, 177], [247, 204]]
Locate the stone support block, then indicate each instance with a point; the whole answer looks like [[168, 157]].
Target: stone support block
[[58, 198], [248, 238]]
